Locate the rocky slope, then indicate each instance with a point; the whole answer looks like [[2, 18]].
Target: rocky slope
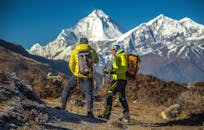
[[21, 108]]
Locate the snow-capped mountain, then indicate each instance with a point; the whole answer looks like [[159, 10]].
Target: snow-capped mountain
[[163, 32], [97, 26], [166, 45], [170, 49]]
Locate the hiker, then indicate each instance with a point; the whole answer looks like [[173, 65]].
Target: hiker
[[118, 84], [81, 63]]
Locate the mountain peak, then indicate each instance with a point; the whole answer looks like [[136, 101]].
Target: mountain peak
[[186, 19], [97, 26], [35, 46], [98, 13], [189, 21], [160, 18]]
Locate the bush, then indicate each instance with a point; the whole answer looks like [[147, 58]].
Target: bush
[[150, 90], [42, 86]]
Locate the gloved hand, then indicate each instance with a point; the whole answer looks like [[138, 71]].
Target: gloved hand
[[108, 71]]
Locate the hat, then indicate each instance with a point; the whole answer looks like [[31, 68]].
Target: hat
[[115, 47], [83, 40]]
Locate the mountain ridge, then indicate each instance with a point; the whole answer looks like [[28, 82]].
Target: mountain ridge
[[54, 66], [162, 36]]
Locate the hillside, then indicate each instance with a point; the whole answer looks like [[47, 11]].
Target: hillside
[[32, 69], [21, 108], [18, 51]]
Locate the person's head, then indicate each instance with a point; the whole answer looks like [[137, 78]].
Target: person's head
[[83, 40], [114, 49]]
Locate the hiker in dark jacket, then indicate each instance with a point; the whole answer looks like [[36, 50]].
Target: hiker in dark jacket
[[118, 73], [83, 74]]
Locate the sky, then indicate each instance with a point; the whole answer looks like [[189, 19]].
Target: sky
[[27, 22]]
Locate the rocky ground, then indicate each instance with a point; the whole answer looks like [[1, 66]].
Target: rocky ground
[[22, 108]]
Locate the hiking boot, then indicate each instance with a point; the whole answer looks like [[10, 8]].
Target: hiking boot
[[90, 114], [104, 116], [58, 108], [126, 117]]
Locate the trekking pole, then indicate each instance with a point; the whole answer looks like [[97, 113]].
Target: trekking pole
[[94, 89], [71, 103], [103, 80], [107, 85], [77, 109], [78, 85], [102, 85], [94, 86]]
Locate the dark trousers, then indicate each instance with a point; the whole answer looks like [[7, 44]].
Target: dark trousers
[[117, 86], [86, 84]]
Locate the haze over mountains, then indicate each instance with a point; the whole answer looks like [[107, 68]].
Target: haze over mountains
[[170, 49]]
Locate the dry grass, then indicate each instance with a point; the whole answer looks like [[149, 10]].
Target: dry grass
[[192, 101], [44, 87], [153, 91]]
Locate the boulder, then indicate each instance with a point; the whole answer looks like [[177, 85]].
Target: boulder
[[171, 112]]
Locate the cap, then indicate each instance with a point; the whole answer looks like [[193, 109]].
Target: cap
[[83, 40], [116, 47]]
